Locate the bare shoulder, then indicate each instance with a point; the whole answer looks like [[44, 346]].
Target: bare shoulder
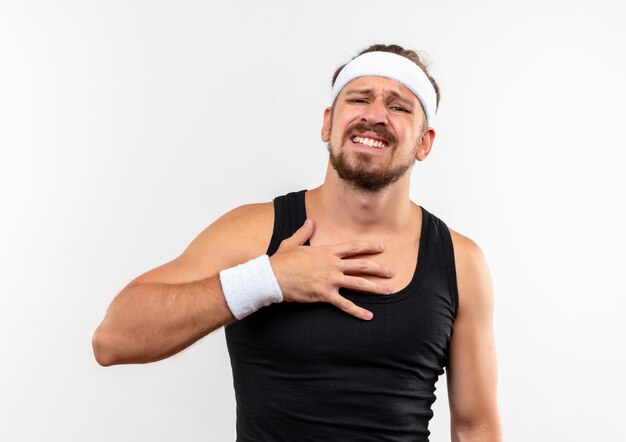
[[465, 249], [247, 228], [235, 237], [473, 276]]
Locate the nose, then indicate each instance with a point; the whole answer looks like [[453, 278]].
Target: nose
[[375, 113]]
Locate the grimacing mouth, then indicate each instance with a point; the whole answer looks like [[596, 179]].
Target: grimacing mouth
[[371, 142], [369, 135]]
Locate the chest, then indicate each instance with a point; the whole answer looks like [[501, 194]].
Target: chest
[[403, 335], [400, 254]]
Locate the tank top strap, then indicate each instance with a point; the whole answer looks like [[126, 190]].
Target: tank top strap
[[289, 215], [440, 234]]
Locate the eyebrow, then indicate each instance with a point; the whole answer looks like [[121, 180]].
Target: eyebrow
[[400, 98], [359, 91], [394, 94]]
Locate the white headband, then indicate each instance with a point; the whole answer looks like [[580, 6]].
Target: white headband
[[394, 67]]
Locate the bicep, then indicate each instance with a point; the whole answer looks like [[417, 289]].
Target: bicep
[[236, 237], [472, 368]]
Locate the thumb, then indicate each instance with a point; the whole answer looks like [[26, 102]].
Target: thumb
[[299, 237]]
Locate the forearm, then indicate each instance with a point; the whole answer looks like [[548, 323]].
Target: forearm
[[149, 322]]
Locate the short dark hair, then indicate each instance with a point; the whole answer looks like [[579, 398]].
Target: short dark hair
[[398, 50]]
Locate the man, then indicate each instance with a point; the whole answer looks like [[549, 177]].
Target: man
[[343, 331]]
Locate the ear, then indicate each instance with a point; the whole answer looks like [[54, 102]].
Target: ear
[[328, 116], [425, 144]]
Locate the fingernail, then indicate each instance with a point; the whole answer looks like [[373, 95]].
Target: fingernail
[[380, 246], [387, 289], [307, 222], [369, 315]]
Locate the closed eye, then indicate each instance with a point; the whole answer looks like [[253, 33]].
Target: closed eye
[[400, 109], [357, 100]]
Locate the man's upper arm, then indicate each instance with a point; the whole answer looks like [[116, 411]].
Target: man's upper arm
[[236, 237], [472, 368]]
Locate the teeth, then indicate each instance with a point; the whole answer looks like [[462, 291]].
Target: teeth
[[369, 142]]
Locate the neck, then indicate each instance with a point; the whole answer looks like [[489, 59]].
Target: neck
[[360, 211]]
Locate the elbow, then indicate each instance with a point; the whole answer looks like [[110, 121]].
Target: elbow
[[103, 349], [113, 347], [485, 431]]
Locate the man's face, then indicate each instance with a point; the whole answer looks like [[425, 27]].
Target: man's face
[[374, 132]]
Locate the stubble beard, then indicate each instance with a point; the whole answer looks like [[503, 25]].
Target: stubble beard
[[361, 175]]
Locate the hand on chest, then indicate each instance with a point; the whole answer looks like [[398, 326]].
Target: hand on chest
[[400, 254]]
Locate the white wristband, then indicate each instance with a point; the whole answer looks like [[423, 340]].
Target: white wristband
[[249, 286]]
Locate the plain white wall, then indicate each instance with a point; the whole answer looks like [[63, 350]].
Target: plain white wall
[[126, 127]]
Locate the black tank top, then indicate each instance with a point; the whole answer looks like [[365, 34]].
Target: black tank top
[[310, 372]]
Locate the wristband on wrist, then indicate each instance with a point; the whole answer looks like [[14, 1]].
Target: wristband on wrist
[[249, 286]]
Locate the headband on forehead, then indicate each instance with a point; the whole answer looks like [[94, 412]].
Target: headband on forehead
[[394, 67]]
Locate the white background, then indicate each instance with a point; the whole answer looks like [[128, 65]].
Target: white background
[[126, 127]]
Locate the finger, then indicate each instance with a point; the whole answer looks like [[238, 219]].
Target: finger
[[364, 266], [299, 237], [350, 307], [357, 247], [364, 285]]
